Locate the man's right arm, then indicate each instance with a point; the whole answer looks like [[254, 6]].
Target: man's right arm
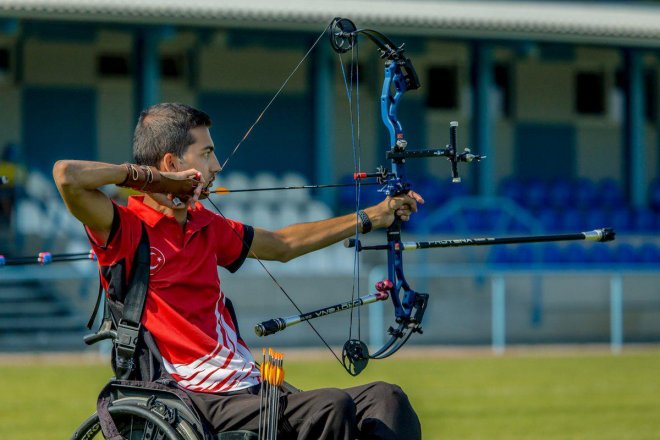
[[78, 182]]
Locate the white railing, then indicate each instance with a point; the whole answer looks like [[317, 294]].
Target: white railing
[[499, 277]]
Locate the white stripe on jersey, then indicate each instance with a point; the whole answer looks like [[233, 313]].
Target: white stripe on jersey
[[229, 366]]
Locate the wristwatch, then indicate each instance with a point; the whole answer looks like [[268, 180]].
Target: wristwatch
[[364, 221]]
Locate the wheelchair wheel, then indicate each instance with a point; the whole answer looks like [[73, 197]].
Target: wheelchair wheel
[[135, 421]]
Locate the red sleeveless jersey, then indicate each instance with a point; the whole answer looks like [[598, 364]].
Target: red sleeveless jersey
[[185, 306]]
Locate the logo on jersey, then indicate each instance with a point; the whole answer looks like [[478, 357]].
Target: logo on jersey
[[157, 260]]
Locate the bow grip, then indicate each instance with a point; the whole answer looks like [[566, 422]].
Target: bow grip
[[269, 327]]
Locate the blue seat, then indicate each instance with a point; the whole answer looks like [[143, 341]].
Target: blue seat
[[600, 254], [575, 253], [500, 255], [512, 188], [596, 218], [550, 219], [648, 253], [473, 220], [417, 222], [585, 193], [625, 253], [498, 221], [516, 226], [434, 190], [347, 194], [572, 220], [524, 254], [448, 225], [620, 219], [454, 190], [610, 194], [644, 220], [535, 194], [561, 194], [552, 254]]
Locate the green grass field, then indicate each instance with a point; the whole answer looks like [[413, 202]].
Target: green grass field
[[558, 396]]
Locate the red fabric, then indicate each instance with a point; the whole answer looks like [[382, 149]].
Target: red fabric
[[185, 309]]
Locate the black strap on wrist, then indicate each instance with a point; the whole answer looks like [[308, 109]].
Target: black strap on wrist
[[364, 221]]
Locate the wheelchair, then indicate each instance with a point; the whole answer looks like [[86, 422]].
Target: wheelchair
[[149, 411], [142, 414]]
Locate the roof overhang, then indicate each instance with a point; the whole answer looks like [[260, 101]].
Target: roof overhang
[[619, 24]]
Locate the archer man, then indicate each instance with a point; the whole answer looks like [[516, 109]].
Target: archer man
[[185, 312]]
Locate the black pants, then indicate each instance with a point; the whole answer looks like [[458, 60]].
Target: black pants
[[376, 410]]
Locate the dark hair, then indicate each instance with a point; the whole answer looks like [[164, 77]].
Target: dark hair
[[165, 128]]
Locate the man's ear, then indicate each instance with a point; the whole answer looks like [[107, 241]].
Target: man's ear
[[170, 162]]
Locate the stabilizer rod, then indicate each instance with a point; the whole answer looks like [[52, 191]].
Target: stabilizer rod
[[602, 235], [274, 325]]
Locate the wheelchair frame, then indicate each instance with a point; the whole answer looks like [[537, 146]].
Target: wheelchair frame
[[145, 414]]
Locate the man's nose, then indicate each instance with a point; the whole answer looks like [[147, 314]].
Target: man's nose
[[215, 166]]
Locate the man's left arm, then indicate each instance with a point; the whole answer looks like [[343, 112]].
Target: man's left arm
[[295, 240]]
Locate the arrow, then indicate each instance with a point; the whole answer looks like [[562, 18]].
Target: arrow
[[221, 190]]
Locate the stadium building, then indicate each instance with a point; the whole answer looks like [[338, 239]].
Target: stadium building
[[561, 97]]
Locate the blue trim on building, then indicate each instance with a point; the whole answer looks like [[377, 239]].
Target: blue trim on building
[[60, 31], [634, 129], [146, 59], [482, 125], [8, 26]]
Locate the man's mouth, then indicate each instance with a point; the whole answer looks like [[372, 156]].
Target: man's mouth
[[207, 189]]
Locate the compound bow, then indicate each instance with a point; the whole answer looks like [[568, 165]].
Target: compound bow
[[409, 306]]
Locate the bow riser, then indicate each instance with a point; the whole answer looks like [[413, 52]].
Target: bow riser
[[389, 102]]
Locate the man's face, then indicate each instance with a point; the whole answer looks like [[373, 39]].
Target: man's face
[[201, 156]]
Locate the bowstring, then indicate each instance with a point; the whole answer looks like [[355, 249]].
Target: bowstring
[[359, 167], [355, 143], [272, 277], [263, 112], [233, 152]]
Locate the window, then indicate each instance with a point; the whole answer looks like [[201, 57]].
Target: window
[[590, 93], [5, 60], [113, 65], [502, 80], [442, 88], [651, 95], [173, 66]]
